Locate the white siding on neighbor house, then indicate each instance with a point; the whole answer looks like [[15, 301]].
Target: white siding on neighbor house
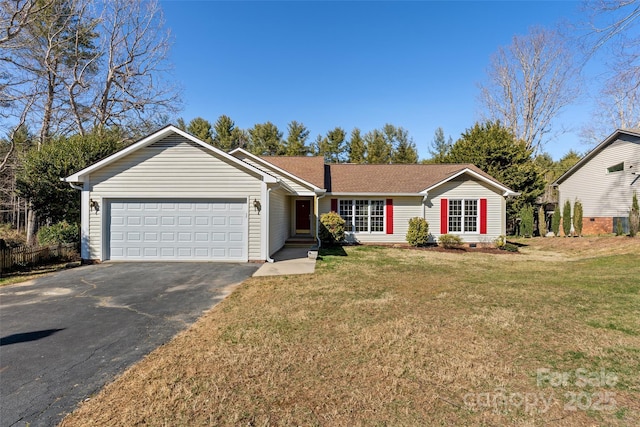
[[601, 193], [295, 185], [404, 208], [173, 168], [467, 188], [279, 219]]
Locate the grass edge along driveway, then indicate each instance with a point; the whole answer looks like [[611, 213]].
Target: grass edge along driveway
[[403, 337]]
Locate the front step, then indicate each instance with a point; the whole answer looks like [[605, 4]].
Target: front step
[[300, 242]]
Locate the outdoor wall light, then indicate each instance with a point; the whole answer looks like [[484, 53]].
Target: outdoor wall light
[[93, 204], [257, 205]]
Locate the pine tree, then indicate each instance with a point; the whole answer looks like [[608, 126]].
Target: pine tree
[[566, 218], [357, 152], [577, 217], [296, 142], [225, 134], [555, 221], [404, 149], [201, 129], [266, 140], [542, 222], [634, 216], [440, 147], [332, 146], [378, 149]]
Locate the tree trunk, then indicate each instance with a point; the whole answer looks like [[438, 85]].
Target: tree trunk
[[31, 226]]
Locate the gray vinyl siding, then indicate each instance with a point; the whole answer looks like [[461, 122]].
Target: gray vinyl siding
[[173, 168], [404, 208], [604, 194], [279, 217], [464, 188]]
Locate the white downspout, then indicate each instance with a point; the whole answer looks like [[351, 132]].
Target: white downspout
[[424, 205], [268, 202], [318, 197]]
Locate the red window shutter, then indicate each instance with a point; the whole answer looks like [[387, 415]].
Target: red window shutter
[[389, 208], [483, 216], [334, 205], [444, 216]]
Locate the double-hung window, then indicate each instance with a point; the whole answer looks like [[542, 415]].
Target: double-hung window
[[362, 216], [463, 215]]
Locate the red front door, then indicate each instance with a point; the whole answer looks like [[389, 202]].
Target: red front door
[[303, 216]]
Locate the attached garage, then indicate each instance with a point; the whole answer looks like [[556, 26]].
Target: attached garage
[[175, 229], [172, 197]]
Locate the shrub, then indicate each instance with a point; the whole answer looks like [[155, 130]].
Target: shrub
[[526, 221], [11, 237], [566, 218], [500, 241], [634, 216], [418, 233], [450, 241], [542, 222], [332, 228], [619, 228], [510, 247], [555, 221], [59, 233], [577, 217]]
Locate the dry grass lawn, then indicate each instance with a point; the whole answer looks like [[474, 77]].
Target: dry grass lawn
[[386, 336]]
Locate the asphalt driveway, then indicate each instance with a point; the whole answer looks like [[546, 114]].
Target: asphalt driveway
[[64, 336]]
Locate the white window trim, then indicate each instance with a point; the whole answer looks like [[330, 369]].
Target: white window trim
[[353, 215], [613, 166], [462, 217]]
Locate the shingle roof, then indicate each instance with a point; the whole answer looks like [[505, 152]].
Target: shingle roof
[[310, 169], [363, 178], [413, 178]]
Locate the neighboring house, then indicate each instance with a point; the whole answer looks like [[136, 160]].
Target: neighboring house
[[171, 196], [604, 181]]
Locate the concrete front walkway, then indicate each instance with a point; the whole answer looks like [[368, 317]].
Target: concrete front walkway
[[288, 261]]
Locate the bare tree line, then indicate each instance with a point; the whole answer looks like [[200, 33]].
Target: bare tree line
[[73, 66], [540, 74]]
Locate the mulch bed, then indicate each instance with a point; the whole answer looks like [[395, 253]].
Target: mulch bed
[[463, 249]]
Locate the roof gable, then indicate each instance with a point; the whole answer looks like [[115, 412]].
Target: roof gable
[[635, 133], [158, 136]]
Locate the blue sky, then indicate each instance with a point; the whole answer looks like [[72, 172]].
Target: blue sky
[[351, 64]]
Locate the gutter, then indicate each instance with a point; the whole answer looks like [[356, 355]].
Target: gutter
[[319, 195], [74, 186]]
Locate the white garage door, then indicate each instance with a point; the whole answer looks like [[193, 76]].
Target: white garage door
[[178, 230]]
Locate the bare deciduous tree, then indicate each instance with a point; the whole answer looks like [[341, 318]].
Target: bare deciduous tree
[[67, 65], [16, 15], [529, 83], [611, 24], [130, 84]]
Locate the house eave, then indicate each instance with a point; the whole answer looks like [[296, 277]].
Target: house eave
[[373, 194]]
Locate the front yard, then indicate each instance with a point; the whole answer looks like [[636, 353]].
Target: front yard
[[386, 336]]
